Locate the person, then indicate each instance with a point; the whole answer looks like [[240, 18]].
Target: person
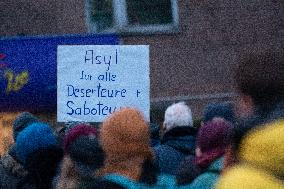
[[12, 170], [37, 149], [125, 139], [178, 140], [211, 145], [188, 171], [259, 138], [83, 156]]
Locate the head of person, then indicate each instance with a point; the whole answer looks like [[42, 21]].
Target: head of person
[[260, 84], [22, 121], [83, 155], [37, 149], [219, 110], [177, 115], [81, 144], [125, 139], [260, 81], [211, 142]]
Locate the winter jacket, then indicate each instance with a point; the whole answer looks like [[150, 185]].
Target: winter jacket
[[176, 144], [98, 183], [149, 179], [116, 181], [261, 163], [208, 178], [188, 171], [11, 172]]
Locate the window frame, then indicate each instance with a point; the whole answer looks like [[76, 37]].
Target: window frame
[[121, 25]]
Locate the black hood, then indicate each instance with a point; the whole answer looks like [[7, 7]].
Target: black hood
[[181, 139]]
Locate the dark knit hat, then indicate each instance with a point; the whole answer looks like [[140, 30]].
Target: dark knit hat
[[77, 131], [82, 145], [71, 124], [22, 121], [212, 141], [37, 136], [222, 110]]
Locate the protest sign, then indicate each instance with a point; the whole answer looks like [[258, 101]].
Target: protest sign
[[93, 81]]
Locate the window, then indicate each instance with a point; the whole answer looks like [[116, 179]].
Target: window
[[132, 16]]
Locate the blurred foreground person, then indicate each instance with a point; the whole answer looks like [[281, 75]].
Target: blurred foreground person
[[211, 145], [37, 149], [259, 139], [178, 140]]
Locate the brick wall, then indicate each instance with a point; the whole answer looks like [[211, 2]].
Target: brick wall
[[196, 61]]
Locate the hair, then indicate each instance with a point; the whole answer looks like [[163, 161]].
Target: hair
[[69, 176], [261, 76], [178, 114]]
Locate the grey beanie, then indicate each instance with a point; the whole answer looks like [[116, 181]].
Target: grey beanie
[[22, 121]]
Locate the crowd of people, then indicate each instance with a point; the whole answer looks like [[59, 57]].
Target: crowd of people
[[125, 152]]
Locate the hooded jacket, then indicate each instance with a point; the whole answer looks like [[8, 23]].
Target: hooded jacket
[[176, 144]]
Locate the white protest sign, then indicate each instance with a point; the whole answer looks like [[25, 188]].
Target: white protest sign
[[93, 81]]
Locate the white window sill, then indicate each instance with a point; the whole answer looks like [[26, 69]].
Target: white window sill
[[140, 30]]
